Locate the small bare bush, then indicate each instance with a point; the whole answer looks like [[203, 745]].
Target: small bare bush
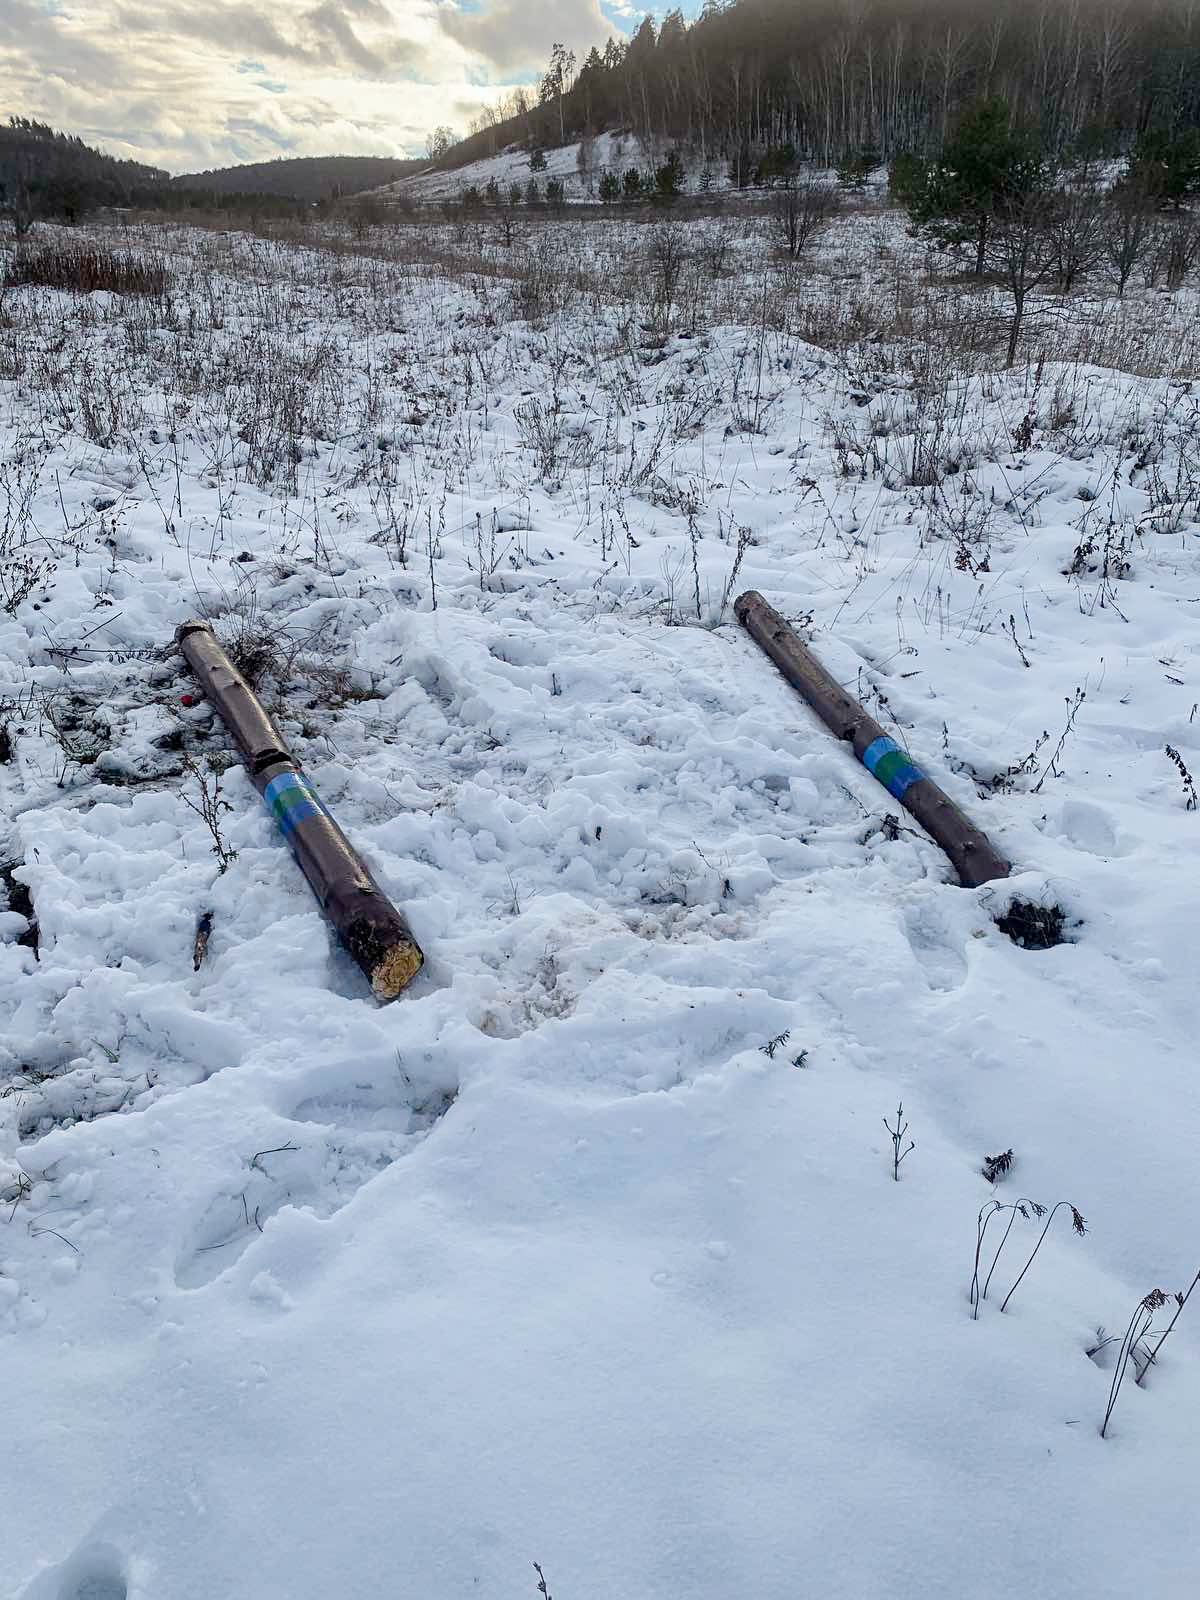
[[80, 269], [800, 212]]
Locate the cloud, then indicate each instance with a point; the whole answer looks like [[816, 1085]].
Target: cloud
[[188, 84], [318, 35], [199, 84], [515, 36]]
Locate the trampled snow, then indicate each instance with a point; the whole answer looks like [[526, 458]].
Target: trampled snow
[[588, 1251]]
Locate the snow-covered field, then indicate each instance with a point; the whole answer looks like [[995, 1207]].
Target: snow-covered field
[[588, 1252]]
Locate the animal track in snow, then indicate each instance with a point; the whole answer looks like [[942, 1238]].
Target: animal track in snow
[[340, 1139]]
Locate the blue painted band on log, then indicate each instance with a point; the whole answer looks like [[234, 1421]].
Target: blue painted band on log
[[292, 800], [885, 761]]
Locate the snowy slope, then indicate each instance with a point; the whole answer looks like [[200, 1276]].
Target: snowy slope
[[610, 152], [588, 1252]]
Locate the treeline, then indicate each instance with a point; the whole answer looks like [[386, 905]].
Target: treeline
[[44, 173], [52, 176], [311, 178], [831, 78]]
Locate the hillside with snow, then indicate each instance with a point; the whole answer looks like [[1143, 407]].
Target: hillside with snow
[[591, 1251], [578, 173]]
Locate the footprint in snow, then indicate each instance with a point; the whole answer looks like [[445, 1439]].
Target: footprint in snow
[[94, 1572], [935, 947], [1089, 828], [345, 1135]]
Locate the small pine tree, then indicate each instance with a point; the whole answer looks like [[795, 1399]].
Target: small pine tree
[[537, 160], [1169, 162], [779, 161], [631, 184], [514, 194], [555, 193], [610, 188], [987, 166], [492, 192], [907, 177], [856, 166], [668, 180], [533, 195]]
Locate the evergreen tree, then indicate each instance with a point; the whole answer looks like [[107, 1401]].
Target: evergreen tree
[[1169, 163], [668, 180], [985, 168]]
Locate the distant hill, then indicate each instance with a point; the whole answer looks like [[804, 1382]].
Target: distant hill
[[44, 173], [311, 178]]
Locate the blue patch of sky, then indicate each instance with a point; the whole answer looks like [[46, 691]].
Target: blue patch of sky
[[627, 14]]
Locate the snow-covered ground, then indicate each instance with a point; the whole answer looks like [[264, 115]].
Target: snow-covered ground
[[588, 1252]]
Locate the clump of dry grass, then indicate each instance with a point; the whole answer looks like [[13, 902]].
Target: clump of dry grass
[[82, 269]]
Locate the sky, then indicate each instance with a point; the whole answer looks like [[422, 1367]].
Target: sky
[[195, 84]]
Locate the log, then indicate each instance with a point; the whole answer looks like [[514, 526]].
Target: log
[[369, 926], [973, 856]]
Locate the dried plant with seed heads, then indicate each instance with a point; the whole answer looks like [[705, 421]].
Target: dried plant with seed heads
[[1191, 801], [995, 1167], [1139, 1326], [1077, 1223], [1180, 1301], [1024, 1207]]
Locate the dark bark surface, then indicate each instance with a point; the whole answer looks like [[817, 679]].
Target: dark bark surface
[[370, 927], [973, 856]]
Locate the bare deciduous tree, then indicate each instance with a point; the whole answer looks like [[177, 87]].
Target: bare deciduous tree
[[1022, 252], [1129, 218], [801, 211]]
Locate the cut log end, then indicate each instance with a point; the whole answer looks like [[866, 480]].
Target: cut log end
[[397, 969]]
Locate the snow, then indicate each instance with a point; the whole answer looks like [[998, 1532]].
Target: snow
[[588, 1251], [610, 152]]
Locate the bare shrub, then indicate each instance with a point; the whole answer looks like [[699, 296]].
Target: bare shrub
[[668, 254], [1076, 226], [83, 269], [800, 211], [1180, 250], [210, 805], [1127, 232]]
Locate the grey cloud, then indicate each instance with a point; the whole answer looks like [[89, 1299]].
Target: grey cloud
[[516, 36], [29, 34], [319, 37]]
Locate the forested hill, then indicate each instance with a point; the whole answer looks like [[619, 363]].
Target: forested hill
[[832, 76], [56, 173], [301, 178]]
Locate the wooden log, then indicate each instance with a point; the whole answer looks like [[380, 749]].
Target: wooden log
[[370, 927], [974, 858]]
